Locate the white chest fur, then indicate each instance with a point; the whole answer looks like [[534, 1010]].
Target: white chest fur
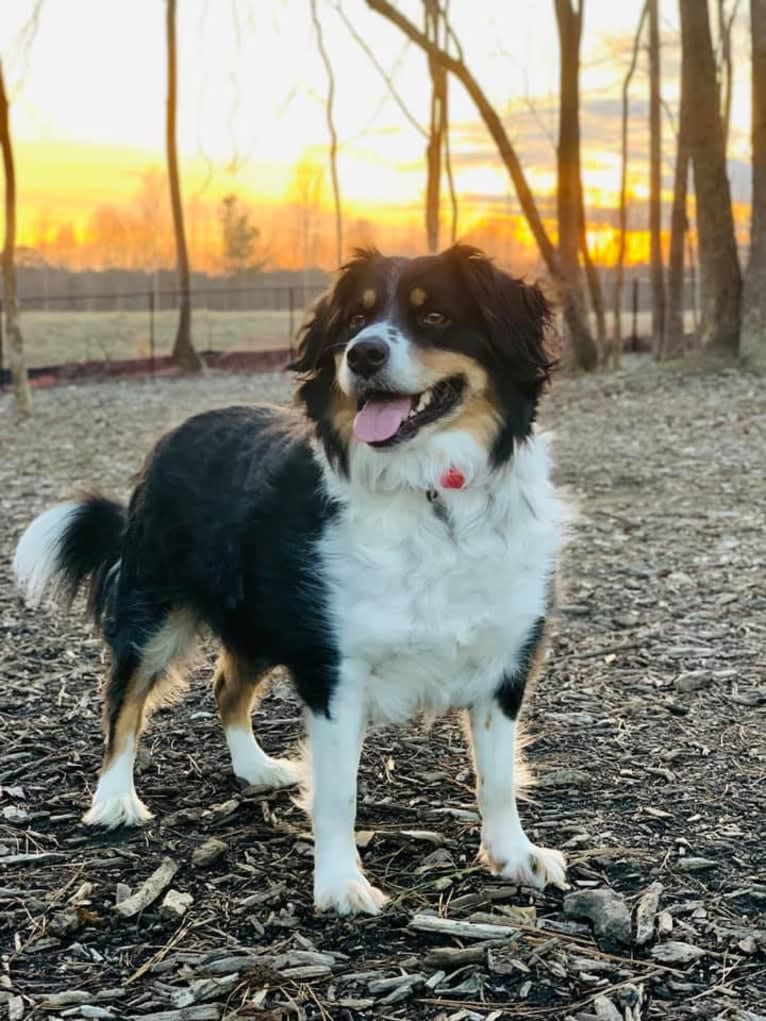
[[429, 614]]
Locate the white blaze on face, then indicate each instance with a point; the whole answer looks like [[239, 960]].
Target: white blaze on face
[[379, 419]]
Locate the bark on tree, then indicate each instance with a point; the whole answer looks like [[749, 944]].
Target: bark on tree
[[753, 349], [184, 354], [450, 176], [594, 283], [569, 196], [16, 362], [675, 331], [619, 269], [437, 126], [719, 262], [726, 74], [655, 183], [584, 346], [329, 113]]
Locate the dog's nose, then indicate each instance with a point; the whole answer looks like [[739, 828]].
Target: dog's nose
[[367, 357]]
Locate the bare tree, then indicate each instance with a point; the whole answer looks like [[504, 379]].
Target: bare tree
[[675, 331], [329, 104], [388, 79], [16, 360], [184, 354], [573, 238], [437, 125], [584, 347], [719, 262], [450, 176], [754, 322], [726, 64], [619, 269], [655, 182]]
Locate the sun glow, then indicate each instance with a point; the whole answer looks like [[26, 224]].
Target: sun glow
[[88, 122]]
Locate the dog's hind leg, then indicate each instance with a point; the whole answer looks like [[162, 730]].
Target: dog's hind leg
[[139, 670], [238, 686]]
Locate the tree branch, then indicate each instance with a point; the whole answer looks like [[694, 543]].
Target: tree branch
[[492, 121]]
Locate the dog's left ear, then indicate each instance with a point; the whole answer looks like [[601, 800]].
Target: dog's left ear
[[517, 316]]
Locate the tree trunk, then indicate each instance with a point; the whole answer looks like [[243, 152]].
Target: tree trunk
[[329, 111], [19, 379], [184, 354], [754, 323], [719, 262], [655, 183], [569, 199], [450, 176], [574, 314], [726, 77], [594, 284], [619, 269], [436, 128], [675, 331]]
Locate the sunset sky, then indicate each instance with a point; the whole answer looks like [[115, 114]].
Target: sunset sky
[[88, 103]]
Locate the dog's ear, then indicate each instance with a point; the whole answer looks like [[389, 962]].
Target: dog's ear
[[319, 336], [314, 343], [517, 316]]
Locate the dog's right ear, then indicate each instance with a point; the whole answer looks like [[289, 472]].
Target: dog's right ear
[[314, 343]]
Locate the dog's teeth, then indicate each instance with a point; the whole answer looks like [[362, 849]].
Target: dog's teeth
[[422, 403]]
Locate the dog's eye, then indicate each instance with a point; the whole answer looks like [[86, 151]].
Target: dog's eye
[[357, 322], [433, 319]]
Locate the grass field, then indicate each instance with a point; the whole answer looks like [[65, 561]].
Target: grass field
[[54, 338], [59, 337]]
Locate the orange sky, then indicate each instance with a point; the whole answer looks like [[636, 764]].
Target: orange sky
[[88, 92]]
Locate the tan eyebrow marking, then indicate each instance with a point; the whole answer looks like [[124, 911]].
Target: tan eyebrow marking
[[418, 297], [369, 297]]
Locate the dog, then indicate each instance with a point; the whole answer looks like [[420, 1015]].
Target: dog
[[391, 539]]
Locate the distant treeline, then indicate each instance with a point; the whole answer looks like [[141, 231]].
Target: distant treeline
[[95, 290]]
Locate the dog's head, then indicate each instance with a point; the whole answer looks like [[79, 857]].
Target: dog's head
[[408, 358]]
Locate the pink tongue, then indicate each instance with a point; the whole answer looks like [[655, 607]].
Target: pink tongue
[[380, 420]]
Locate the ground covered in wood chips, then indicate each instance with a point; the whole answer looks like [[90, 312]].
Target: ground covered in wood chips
[[648, 739]]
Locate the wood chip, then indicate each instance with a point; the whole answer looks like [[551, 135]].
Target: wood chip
[[695, 864], [462, 930], [675, 952], [149, 891], [646, 910]]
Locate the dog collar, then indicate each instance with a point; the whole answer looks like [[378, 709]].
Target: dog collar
[[452, 478]]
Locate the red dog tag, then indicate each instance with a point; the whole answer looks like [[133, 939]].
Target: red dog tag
[[453, 478]]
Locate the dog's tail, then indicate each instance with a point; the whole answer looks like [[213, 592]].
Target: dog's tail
[[71, 545]]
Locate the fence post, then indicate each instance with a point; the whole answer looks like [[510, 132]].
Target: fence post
[[634, 334], [151, 332], [291, 299]]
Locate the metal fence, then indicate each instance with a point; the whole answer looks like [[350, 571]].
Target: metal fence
[[64, 329]]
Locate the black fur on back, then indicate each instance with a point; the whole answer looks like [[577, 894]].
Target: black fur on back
[[224, 523]]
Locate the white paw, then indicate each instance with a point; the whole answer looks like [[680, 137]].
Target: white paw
[[351, 894], [116, 810], [269, 773], [525, 863]]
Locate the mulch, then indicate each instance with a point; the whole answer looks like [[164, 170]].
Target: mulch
[[647, 736]]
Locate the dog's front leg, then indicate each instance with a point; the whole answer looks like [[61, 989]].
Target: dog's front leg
[[505, 847], [335, 743]]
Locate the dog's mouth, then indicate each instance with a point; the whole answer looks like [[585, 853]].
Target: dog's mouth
[[384, 418]]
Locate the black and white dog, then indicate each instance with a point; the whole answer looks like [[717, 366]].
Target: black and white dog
[[390, 540]]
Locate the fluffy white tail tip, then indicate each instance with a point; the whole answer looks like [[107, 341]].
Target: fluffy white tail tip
[[36, 561]]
